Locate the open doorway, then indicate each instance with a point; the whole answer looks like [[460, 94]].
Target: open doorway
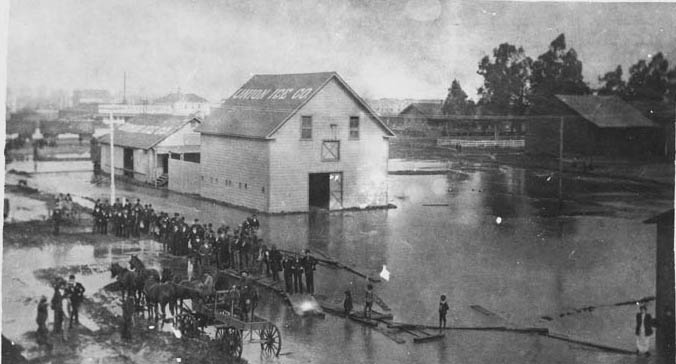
[[128, 162], [163, 160], [319, 190], [326, 190]]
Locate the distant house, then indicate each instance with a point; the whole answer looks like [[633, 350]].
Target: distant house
[[171, 104], [417, 115], [185, 104], [593, 125], [90, 97], [287, 143], [144, 143]]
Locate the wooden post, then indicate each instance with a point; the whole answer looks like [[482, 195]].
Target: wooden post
[[112, 159], [561, 163]]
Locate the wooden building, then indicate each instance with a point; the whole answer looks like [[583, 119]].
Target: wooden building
[[664, 296], [143, 145], [592, 125], [286, 143]]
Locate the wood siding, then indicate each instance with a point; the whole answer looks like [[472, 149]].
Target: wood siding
[[363, 162], [184, 176], [242, 162]]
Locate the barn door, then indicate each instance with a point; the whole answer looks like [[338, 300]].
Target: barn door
[[336, 191]]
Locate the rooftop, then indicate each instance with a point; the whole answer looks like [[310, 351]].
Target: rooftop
[[606, 111], [146, 131], [265, 102]]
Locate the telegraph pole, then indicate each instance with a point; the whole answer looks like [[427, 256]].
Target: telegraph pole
[[561, 163], [112, 160]]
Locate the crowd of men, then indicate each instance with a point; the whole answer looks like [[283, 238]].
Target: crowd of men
[[66, 301], [240, 248]]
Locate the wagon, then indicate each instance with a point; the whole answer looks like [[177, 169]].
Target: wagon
[[222, 312]]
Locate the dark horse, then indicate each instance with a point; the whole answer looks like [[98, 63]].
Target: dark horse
[[126, 279], [154, 290]]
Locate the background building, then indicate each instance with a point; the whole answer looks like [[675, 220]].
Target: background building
[[593, 125], [285, 143], [143, 145]]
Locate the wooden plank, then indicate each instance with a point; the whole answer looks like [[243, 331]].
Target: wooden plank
[[364, 321], [424, 339], [379, 301]]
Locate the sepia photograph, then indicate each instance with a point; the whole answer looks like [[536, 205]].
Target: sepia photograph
[[338, 181]]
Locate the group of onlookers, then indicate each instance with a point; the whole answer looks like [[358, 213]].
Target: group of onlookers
[[66, 301], [240, 248]]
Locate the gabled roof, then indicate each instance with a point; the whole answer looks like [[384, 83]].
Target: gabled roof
[[179, 97], [265, 102], [606, 111], [429, 109], [146, 131]]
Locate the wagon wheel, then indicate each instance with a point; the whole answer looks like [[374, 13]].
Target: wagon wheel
[[231, 340], [187, 324], [271, 341]]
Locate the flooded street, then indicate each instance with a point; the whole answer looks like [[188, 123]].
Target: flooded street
[[491, 236]]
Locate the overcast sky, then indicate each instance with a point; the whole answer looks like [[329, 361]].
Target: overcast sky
[[383, 48]]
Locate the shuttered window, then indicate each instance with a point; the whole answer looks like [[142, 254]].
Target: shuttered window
[[354, 127], [306, 127]]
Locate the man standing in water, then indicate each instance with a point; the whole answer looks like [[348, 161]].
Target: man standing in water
[[443, 310], [75, 291], [644, 331], [42, 319], [57, 306]]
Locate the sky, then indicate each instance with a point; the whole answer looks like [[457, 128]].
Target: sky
[[382, 48]]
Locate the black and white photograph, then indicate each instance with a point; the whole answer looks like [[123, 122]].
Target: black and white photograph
[[338, 181]]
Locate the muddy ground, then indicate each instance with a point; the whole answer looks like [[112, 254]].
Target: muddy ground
[[97, 339]]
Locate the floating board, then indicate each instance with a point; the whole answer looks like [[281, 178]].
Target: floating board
[[379, 301], [305, 304]]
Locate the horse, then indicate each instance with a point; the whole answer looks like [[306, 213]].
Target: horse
[[142, 274], [125, 277], [161, 294], [186, 290]]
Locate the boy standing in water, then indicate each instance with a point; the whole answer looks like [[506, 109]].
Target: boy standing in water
[[443, 310]]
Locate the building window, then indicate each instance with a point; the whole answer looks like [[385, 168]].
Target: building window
[[175, 156], [246, 186], [306, 127], [334, 131], [354, 127], [191, 157], [330, 151]]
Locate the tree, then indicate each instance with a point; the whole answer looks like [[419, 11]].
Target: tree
[[506, 87], [650, 81], [613, 84], [558, 71], [456, 102]]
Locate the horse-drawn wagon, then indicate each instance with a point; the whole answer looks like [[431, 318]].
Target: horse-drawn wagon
[[233, 327]]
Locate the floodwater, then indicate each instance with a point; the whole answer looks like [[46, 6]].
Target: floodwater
[[444, 237]]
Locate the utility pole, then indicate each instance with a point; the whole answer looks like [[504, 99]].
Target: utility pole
[[112, 160], [561, 163], [124, 89]]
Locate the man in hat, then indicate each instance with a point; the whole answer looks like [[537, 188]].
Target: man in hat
[[275, 263], [74, 291], [309, 264], [57, 307], [42, 318], [644, 330]]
